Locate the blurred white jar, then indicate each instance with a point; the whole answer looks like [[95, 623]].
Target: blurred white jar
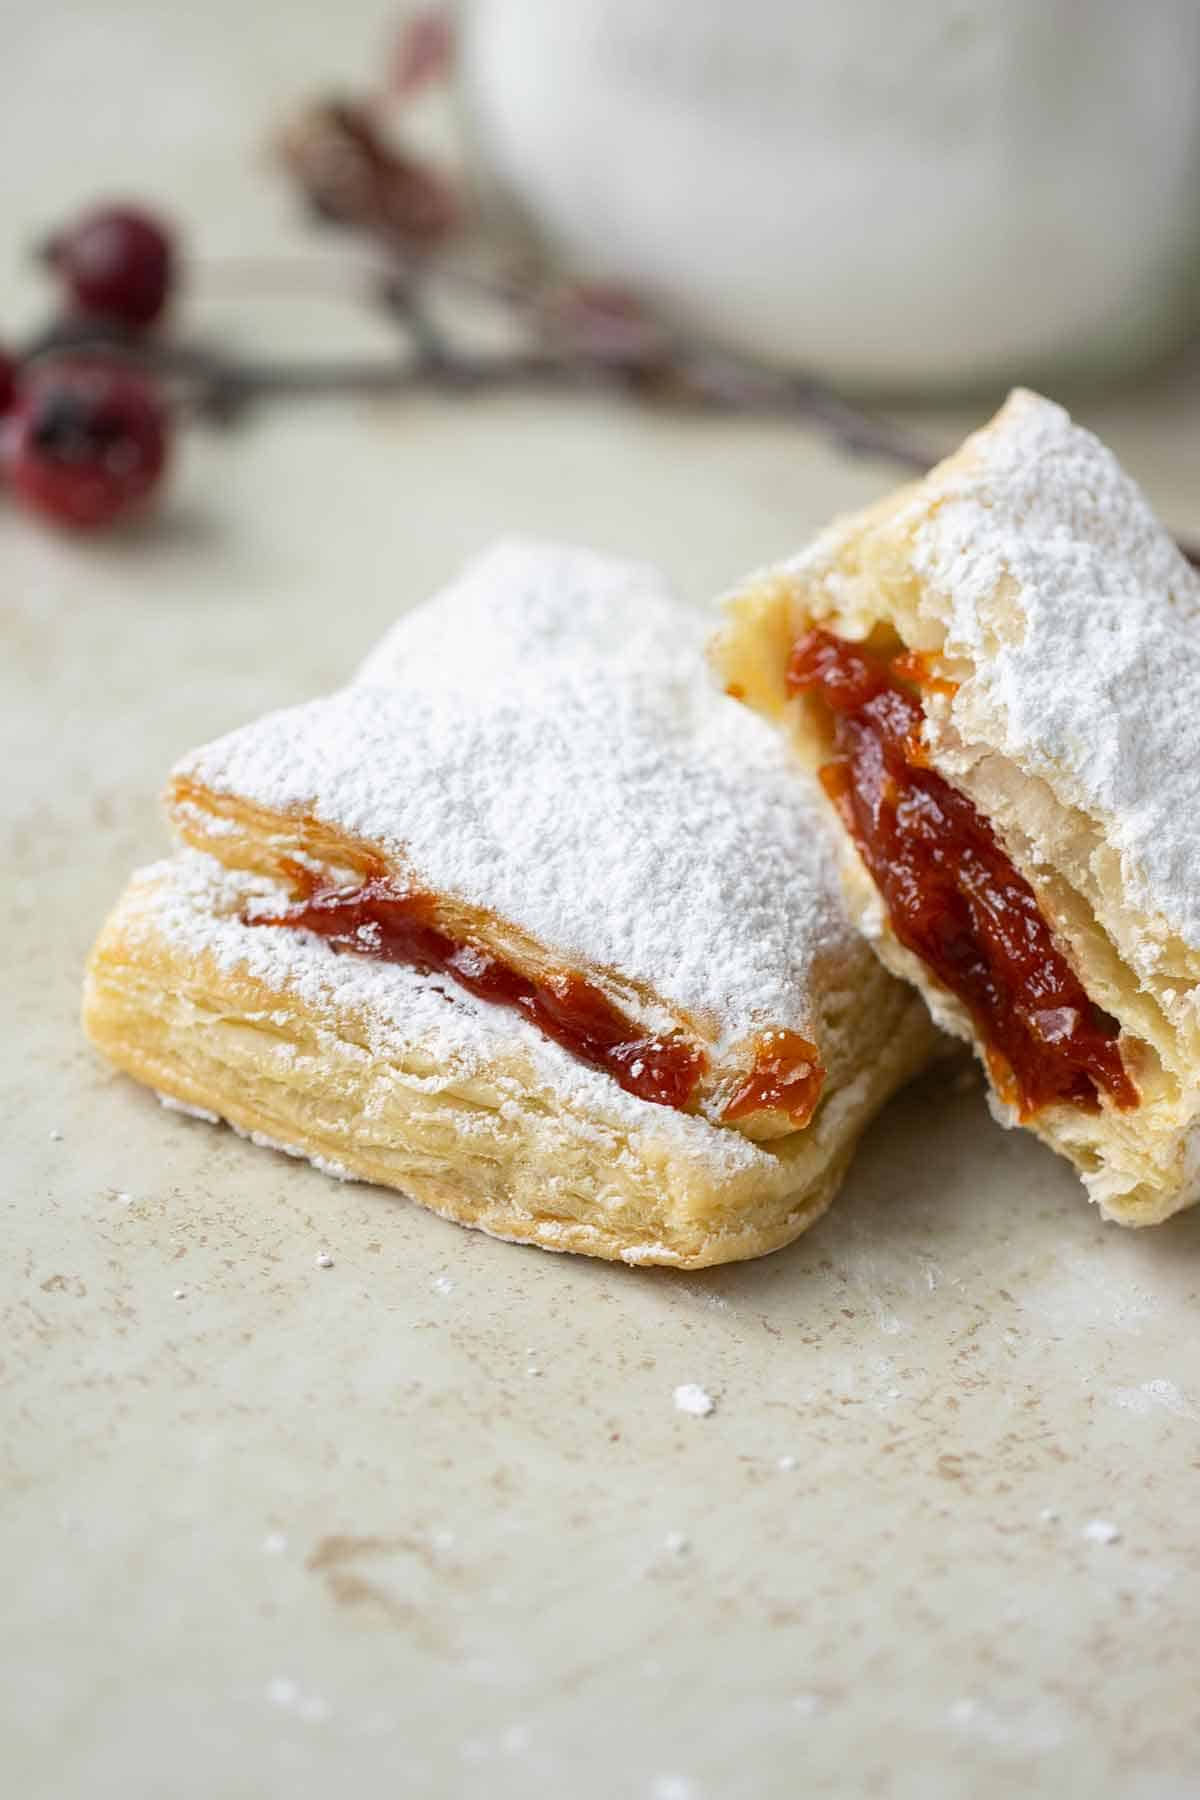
[[901, 194]]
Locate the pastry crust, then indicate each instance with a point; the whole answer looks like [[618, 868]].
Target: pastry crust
[[540, 753], [651, 843], [375, 1072], [1060, 630]]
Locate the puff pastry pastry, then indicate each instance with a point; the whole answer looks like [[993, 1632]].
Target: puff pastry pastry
[[529, 922], [997, 671]]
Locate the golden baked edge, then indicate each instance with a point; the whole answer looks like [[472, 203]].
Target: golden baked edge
[[570, 1164]]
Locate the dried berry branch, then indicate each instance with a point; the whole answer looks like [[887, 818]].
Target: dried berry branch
[[414, 253], [351, 175], [585, 333], [581, 338], [348, 173]]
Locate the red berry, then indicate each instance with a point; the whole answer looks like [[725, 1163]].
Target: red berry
[[8, 381], [85, 443], [117, 262]]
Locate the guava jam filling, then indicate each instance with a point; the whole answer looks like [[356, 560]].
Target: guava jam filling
[[952, 895], [786, 1077], [379, 920]]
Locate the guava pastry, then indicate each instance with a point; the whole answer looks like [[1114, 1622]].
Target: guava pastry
[[530, 921], [997, 672]]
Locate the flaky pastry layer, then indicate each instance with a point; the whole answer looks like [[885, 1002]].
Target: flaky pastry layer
[[392, 1077]]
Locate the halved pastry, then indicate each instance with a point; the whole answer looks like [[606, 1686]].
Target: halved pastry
[[997, 673], [529, 922]]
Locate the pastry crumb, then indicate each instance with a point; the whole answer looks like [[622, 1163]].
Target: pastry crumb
[[691, 1398], [56, 1136], [1101, 1531], [285, 1693], [323, 1259], [786, 1463], [676, 1543]]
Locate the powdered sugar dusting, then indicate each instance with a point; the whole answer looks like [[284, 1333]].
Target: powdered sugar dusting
[[544, 740], [691, 1398], [1093, 688]]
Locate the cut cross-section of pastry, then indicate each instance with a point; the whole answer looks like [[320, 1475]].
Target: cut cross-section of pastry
[[529, 921], [996, 672]]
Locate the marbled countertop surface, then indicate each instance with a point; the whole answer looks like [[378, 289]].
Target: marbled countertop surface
[[426, 1522]]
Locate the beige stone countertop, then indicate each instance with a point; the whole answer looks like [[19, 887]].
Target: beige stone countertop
[[426, 1522]]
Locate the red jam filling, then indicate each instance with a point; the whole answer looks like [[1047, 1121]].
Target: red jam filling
[[379, 921], [787, 1076], [953, 896]]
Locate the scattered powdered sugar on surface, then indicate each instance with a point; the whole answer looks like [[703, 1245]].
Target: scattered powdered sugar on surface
[[187, 1109], [1094, 685], [1027, 1730], [195, 903], [1101, 1531], [692, 1399], [544, 739], [707, 1296], [287, 1694], [322, 1164], [676, 1543], [1150, 1395]]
